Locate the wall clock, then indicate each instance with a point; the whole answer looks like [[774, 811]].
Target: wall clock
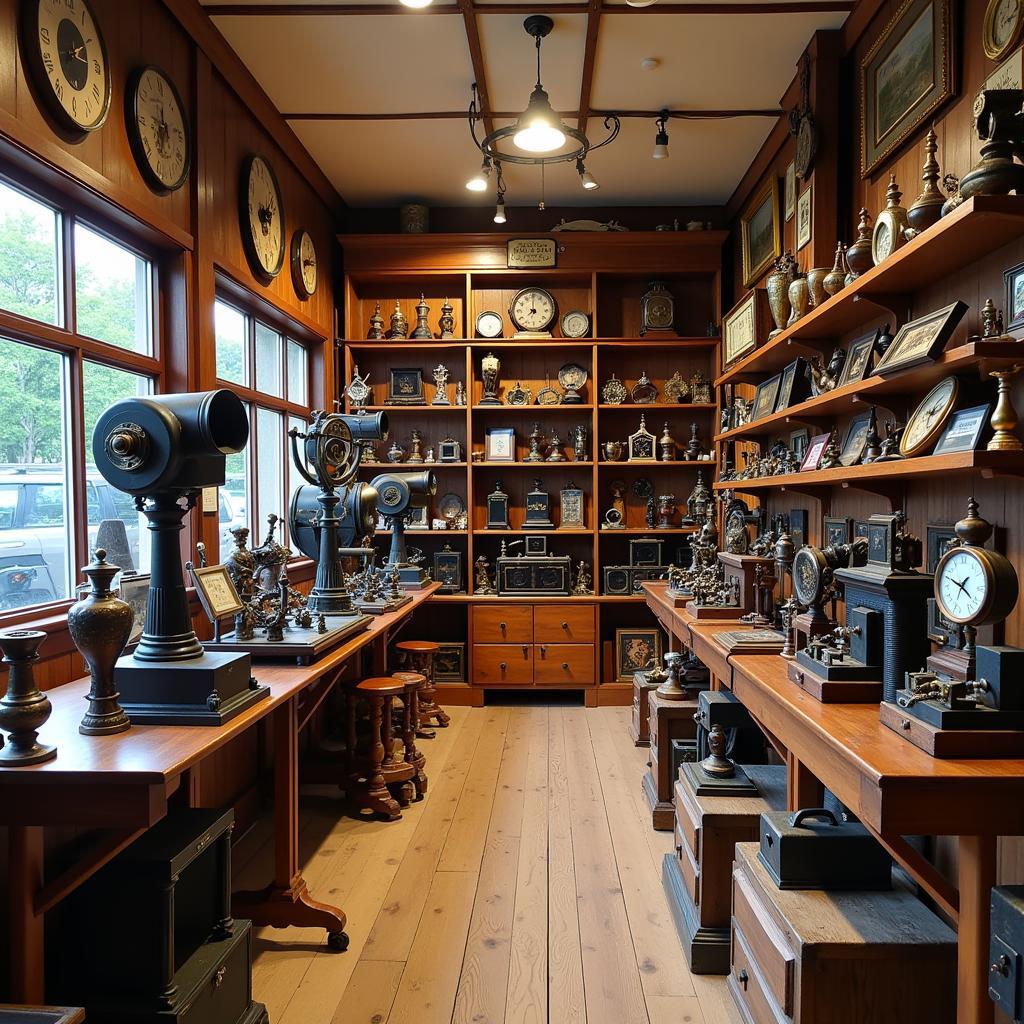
[[532, 312], [261, 215], [304, 264], [1001, 28], [928, 419], [157, 129], [67, 61]]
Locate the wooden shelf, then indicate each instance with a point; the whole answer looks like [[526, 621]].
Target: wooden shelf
[[667, 465], [975, 358], [426, 407], [382, 467], [533, 408], [636, 407], [530, 465], [660, 342], [575, 532], [976, 228], [407, 345], [653, 531]]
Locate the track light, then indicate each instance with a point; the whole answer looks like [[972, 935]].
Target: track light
[[499, 209], [478, 183], [416, 4], [661, 139], [586, 177]]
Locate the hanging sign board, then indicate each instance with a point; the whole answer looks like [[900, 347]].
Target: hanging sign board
[[531, 253]]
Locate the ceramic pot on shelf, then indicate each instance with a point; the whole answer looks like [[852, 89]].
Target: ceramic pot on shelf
[[799, 298], [858, 255], [816, 285], [835, 279], [777, 285]]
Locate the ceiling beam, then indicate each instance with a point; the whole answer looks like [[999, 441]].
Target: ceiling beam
[[589, 57], [602, 6], [476, 57], [511, 115]]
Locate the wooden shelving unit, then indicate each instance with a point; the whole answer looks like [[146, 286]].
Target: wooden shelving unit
[[606, 278]]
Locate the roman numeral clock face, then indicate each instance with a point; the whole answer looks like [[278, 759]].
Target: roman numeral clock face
[[262, 217], [157, 129], [65, 55]]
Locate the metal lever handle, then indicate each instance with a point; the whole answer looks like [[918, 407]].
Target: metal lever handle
[[526, 650], [743, 978], [543, 650], [502, 626]]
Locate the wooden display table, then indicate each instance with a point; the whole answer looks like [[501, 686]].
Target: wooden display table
[[121, 785]]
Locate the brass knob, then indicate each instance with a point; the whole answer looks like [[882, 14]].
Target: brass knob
[[565, 625], [565, 665], [122, 444], [743, 978], [218, 978], [501, 626], [503, 666]]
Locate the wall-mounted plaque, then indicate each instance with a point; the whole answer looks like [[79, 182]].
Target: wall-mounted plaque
[[531, 253]]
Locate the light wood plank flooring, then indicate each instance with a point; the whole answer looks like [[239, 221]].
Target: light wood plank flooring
[[525, 888]]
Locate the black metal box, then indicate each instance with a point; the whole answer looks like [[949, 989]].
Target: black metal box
[[625, 580], [535, 577], [813, 849], [1006, 940]]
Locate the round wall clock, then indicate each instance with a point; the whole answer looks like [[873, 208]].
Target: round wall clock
[[1001, 28], [928, 419], [157, 129], [261, 212], [304, 264], [66, 58], [489, 324], [575, 324], [533, 310]]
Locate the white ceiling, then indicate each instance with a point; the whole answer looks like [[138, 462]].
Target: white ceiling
[[410, 63]]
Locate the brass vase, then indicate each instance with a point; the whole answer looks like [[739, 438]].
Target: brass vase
[[24, 709], [799, 298], [1004, 416], [858, 255], [100, 625], [777, 287], [835, 279], [816, 285]]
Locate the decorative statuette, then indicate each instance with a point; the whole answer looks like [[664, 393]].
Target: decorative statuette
[[490, 367], [536, 438], [644, 392], [482, 577], [997, 120], [927, 207], [555, 453], [416, 440], [23, 709], [700, 388], [399, 325], [460, 394], [676, 389], [614, 391], [777, 285], [694, 449], [1004, 416], [666, 445], [440, 373], [583, 587], [447, 321], [671, 688], [422, 331], [100, 625], [836, 277], [579, 444], [359, 390], [376, 325]]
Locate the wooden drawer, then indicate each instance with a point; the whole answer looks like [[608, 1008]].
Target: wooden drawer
[[687, 865], [503, 624], [563, 624], [687, 818], [745, 982], [765, 942], [496, 664], [564, 665]]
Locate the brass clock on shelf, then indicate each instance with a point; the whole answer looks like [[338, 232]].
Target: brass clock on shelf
[[532, 312], [657, 310], [891, 227], [928, 419], [157, 129], [489, 324], [261, 212], [304, 264], [1001, 27], [66, 58]]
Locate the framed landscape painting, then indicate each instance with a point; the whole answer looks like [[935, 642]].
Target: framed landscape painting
[[760, 234], [905, 77]]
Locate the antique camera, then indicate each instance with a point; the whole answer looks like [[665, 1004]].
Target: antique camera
[[397, 495], [163, 450]]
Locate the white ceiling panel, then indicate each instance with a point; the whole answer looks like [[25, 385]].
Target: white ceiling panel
[[355, 64], [310, 3], [709, 61], [510, 60]]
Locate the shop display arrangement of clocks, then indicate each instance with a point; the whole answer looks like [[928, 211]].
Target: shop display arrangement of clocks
[[261, 214], [158, 130]]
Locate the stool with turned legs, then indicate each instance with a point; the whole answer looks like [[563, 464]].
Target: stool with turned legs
[[379, 781], [418, 655], [410, 717]]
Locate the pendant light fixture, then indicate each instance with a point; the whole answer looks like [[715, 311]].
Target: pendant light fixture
[[539, 137], [661, 139]]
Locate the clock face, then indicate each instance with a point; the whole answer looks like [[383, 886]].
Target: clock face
[[488, 325], [659, 312], [806, 576], [881, 245], [157, 129], [1001, 27], [927, 419], [962, 586], [533, 309], [575, 324], [262, 215], [304, 264], [64, 51]]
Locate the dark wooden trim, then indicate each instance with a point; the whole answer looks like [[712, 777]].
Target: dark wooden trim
[[856, 24], [377, 10], [476, 56], [589, 58], [584, 113]]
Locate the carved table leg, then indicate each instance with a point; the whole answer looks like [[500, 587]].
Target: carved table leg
[[287, 902], [25, 930]]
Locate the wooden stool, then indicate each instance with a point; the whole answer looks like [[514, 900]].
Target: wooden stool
[[410, 716], [419, 655], [369, 780]]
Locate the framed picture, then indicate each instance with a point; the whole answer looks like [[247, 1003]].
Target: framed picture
[[536, 545], [742, 326], [963, 431], [500, 444], [937, 538], [837, 530], [764, 399], [417, 518], [858, 358], [636, 650], [135, 593], [760, 234], [856, 440], [860, 528], [803, 217], [921, 340], [798, 527], [450, 663], [905, 77], [405, 386], [794, 386], [815, 449], [448, 570], [216, 591], [1014, 279], [790, 190], [449, 450], [798, 442]]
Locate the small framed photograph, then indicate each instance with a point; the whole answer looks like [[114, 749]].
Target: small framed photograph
[[417, 518], [837, 530], [798, 523], [921, 340], [790, 190], [860, 528], [448, 570], [135, 593], [216, 591], [536, 545], [798, 442], [636, 650], [858, 358], [450, 663], [765, 398], [963, 431], [743, 326], [794, 386], [405, 386], [803, 217], [856, 440], [938, 538], [449, 450], [1014, 280], [815, 450], [500, 444]]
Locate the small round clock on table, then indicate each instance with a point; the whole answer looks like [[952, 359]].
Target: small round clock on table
[[928, 419], [261, 213], [66, 58], [575, 324], [489, 324], [304, 264], [157, 129], [532, 312]]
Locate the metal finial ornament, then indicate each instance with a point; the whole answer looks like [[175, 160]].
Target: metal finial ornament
[[422, 331], [927, 207], [447, 321], [1004, 416]]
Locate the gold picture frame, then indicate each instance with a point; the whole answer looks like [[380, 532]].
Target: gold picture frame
[[743, 327], [760, 232], [636, 650], [216, 591]]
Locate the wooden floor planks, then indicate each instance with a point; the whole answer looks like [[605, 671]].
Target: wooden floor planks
[[525, 888]]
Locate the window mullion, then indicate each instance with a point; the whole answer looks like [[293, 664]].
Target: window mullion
[[75, 459]]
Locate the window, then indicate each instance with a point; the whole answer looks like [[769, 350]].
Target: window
[[99, 293], [270, 371]]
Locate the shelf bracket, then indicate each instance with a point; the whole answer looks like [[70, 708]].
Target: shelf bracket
[[897, 304]]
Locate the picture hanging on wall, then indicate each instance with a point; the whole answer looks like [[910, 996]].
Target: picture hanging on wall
[[790, 191], [760, 234], [803, 217]]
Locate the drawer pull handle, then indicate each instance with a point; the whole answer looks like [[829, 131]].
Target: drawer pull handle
[[565, 626], [679, 849], [543, 650], [218, 978], [526, 650], [565, 665], [743, 978], [1001, 966], [502, 626], [503, 666]]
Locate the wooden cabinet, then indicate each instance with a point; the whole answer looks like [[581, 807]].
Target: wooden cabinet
[[669, 720], [640, 723], [844, 957], [534, 645]]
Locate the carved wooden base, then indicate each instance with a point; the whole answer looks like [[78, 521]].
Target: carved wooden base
[[706, 949], [663, 812], [275, 907]]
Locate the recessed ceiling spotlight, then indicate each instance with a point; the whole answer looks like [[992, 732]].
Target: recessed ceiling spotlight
[[416, 3], [640, 3], [649, 63]]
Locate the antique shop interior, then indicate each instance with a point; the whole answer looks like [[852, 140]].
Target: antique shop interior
[[511, 512]]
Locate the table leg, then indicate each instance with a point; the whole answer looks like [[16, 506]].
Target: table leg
[[977, 875], [287, 901], [802, 788], [25, 879]]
